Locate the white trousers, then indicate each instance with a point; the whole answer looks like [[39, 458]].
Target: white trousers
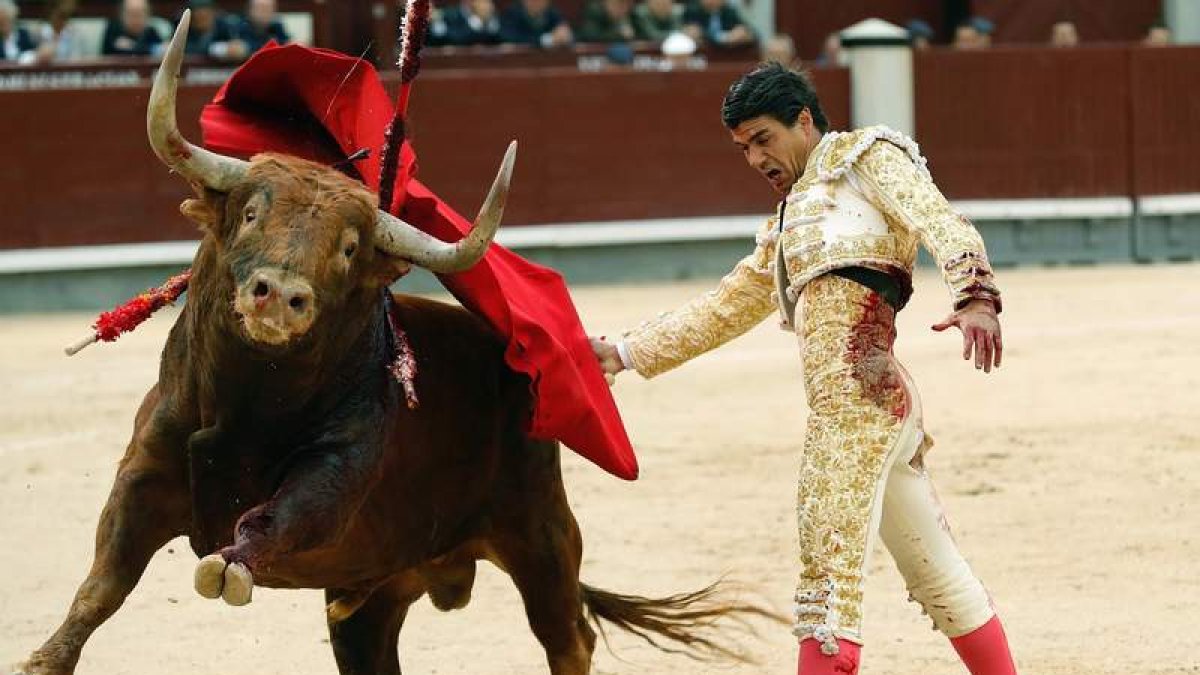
[[914, 529]]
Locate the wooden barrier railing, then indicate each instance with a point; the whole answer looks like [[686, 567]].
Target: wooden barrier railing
[[1165, 120], [1013, 123], [1004, 124], [594, 146], [1033, 122]]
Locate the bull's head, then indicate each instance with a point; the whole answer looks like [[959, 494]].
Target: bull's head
[[299, 238]]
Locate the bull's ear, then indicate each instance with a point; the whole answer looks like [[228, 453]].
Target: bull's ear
[[206, 211], [198, 211], [385, 269]]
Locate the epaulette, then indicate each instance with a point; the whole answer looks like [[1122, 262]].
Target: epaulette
[[844, 149]]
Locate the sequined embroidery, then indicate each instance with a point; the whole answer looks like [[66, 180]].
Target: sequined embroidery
[[858, 404]]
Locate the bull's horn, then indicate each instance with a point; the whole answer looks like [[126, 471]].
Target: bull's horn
[[398, 238], [193, 163]]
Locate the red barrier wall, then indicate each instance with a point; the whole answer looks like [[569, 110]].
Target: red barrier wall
[[1016, 21], [1005, 123], [595, 146], [618, 145], [1013, 122], [78, 168], [1166, 120]]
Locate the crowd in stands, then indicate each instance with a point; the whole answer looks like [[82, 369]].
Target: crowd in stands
[[680, 25], [539, 23], [134, 31], [976, 33]]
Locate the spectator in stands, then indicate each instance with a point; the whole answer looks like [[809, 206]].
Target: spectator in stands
[[607, 21], [248, 34], [1158, 36], [716, 22], [59, 40], [16, 44], [781, 49], [438, 34], [209, 32], [471, 22], [1064, 34], [967, 37], [831, 52], [536, 23], [654, 20], [920, 34], [131, 34], [983, 29]]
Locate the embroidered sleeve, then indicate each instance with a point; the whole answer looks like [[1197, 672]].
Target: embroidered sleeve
[[740, 302], [905, 192]]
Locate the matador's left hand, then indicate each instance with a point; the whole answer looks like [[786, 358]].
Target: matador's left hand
[[981, 332]]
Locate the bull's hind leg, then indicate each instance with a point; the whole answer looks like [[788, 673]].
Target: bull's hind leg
[[538, 543], [366, 641], [147, 507]]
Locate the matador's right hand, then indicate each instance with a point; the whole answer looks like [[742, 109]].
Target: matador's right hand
[[609, 358]]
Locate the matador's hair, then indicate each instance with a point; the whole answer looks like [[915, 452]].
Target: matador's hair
[[775, 90]]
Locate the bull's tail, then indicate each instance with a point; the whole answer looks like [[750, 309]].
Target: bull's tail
[[686, 623]]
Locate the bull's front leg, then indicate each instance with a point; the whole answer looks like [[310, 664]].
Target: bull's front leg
[[147, 507], [311, 510]]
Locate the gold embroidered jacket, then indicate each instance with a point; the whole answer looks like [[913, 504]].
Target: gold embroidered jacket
[[865, 200]]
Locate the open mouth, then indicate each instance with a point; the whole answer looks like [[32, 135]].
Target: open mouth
[[775, 176]]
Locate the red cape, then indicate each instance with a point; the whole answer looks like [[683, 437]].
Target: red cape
[[324, 106]]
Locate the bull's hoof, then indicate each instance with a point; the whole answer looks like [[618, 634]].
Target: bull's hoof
[[216, 578], [239, 585], [209, 579]]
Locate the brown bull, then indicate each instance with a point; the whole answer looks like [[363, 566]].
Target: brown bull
[[277, 439]]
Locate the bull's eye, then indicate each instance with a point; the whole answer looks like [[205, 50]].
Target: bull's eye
[[250, 214], [350, 249]]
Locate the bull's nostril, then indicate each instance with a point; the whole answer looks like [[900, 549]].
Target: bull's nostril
[[261, 289], [296, 303]]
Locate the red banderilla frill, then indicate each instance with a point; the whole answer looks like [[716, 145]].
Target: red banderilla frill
[[124, 318]]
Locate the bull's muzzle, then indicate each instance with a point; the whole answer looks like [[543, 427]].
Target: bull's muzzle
[[275, 306]]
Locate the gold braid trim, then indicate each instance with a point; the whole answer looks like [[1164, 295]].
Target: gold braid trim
[[739, 302]]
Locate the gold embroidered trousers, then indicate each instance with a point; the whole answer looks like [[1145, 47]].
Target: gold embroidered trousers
[[861, 473]]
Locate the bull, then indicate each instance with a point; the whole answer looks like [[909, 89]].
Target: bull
[[278, 441]]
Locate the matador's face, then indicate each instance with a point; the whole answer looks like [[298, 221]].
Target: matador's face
[[776, 151]]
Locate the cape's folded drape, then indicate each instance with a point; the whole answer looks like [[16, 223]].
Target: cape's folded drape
[[324, 106]]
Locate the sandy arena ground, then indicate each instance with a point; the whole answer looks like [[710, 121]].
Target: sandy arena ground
[[1070, 477]]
